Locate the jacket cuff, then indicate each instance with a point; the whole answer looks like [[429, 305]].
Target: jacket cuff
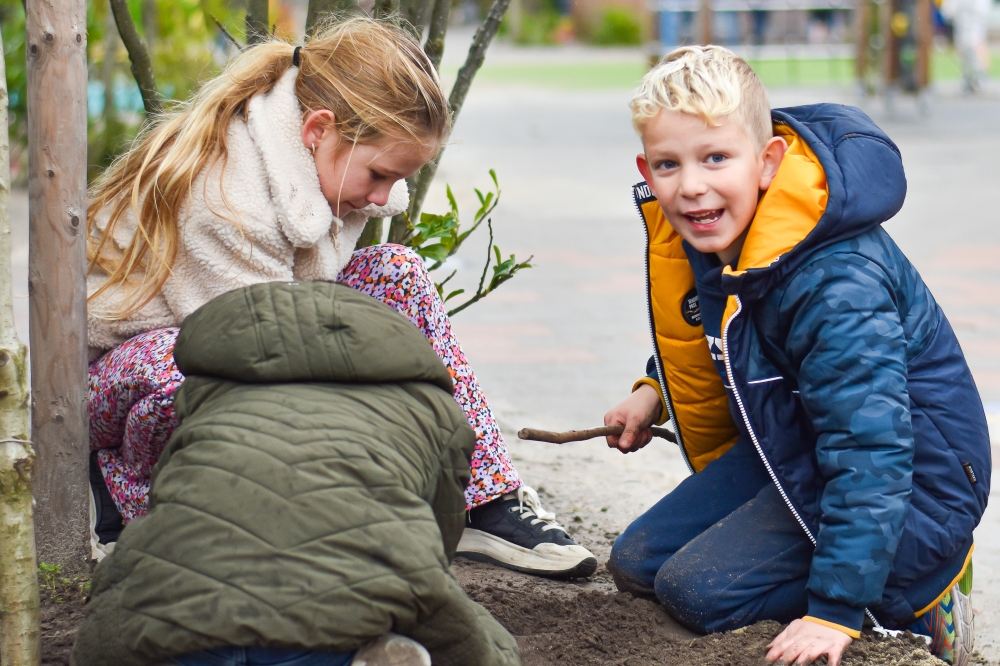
[[664, 414], [836, 615]]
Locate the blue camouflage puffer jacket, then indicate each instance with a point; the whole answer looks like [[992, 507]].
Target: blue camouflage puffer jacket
[[837, 364]]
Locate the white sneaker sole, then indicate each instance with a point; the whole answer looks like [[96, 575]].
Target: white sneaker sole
[[545, 559], [964, 619]]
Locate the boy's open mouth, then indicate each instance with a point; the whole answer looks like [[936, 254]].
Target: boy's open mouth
[[704, 217]]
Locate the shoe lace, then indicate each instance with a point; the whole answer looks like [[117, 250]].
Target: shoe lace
[[529, 505]]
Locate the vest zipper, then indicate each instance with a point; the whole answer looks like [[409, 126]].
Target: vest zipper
[[753, 438], [746, 421], [656, 348]]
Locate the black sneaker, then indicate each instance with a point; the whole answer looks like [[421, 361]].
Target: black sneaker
[[515, 532]]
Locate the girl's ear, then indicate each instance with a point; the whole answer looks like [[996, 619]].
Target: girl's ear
[[773, 153], [317, 126]]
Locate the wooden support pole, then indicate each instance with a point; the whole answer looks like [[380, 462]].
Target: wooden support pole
[[925, 38], [56, 46], [862, 43], [705, 21], [890, 45]]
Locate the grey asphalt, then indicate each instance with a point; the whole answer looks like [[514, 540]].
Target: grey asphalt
[[564, 341]]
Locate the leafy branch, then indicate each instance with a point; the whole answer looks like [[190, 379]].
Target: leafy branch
[[437, 237], [504, 270]]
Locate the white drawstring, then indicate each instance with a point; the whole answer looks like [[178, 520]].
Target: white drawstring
[[528, 503]]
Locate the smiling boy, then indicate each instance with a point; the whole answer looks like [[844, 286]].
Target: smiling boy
[[839, 444]]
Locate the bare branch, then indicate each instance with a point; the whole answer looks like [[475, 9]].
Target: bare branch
[[581, 435], [321, 10], [434, 46], [385, 8], [257, 25], [473, 61], [138, 54], [226, 33]]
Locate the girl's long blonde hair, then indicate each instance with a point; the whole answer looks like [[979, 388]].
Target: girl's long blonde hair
[[371, 74]]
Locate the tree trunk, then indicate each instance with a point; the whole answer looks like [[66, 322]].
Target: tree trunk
[[258, 27], [56, 43], [371, 235], [19, 631]]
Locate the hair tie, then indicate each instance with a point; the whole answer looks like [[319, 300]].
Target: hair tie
[[295, 56]]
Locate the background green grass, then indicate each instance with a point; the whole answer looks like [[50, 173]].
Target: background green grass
[[627, 74]]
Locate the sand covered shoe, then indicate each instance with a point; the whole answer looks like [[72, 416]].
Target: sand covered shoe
[[515, 532], [392, 650], [949, 623]]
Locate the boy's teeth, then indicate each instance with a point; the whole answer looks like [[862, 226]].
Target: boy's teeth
[[706, 217]]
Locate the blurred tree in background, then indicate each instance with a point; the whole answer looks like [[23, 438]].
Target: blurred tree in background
[[144, 55]]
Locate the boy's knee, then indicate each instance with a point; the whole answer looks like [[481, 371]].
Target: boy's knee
[[686, 591], [628, 556]]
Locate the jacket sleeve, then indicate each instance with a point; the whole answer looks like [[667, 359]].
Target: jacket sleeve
[[652, 379], [463, 633], [846, 339]]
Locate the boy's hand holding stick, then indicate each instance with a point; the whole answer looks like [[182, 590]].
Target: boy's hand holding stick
[[581, 435]]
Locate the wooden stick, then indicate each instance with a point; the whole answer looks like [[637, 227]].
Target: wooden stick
[[581, 435]]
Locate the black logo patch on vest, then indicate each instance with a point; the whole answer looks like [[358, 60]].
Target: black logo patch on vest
[[691, 309]]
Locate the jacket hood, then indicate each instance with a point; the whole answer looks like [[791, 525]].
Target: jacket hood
[[840, 177], [305, 332]]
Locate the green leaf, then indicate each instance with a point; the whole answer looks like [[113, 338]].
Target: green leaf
[[436, 252], [453, 294]]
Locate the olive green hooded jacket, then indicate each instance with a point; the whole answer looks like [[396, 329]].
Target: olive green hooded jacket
[[312, 496]]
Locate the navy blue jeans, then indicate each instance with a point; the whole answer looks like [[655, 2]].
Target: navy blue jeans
[[719, 552], [237, 656], [723, 551]]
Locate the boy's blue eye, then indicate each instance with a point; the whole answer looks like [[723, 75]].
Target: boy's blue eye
[[717, 158], [667, 164]]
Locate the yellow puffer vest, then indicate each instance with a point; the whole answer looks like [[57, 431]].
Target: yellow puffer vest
[[693, 394]]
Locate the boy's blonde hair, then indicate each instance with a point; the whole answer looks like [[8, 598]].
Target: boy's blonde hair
[[371, 74], [706, 81]]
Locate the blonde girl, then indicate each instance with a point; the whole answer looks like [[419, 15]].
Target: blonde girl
[[269, 174]]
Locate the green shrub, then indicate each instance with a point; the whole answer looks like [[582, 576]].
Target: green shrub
[[619, 26]]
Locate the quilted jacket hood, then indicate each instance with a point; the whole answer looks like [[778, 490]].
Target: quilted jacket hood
[[305, 332]]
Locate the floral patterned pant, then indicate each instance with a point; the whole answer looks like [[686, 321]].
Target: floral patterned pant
[[132, 386]]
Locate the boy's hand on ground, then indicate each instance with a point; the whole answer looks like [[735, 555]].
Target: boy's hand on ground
[[802, 642], [637, 413]]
